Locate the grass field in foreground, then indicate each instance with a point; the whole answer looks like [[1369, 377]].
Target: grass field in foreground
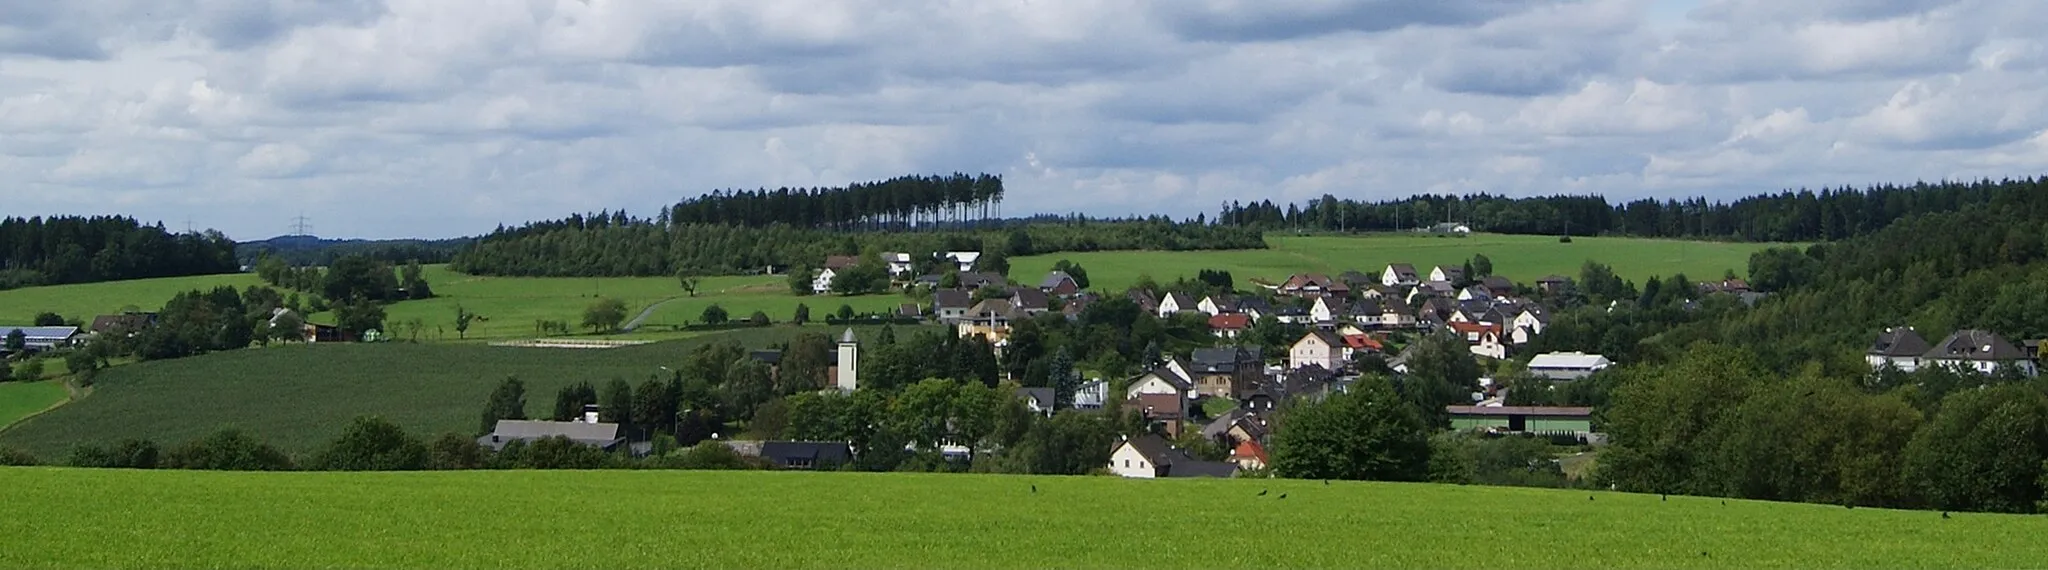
[[672, 519], [19, 399], [298, 397], [1518, 257]]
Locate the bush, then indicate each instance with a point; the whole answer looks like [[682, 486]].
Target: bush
[[128, 454], [228, 450], [11, 457], [554, 453], [712, 455], [370, 443], [456, 451], [759, 319]]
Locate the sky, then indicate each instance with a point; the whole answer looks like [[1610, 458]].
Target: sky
[[443, 118]]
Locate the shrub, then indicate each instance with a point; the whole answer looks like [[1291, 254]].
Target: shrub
[[228, 450], [370, 443], [11, 457], [456, 451]]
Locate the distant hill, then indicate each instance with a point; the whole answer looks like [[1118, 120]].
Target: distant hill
[[314, 250]]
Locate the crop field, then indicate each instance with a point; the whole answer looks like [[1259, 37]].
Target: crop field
[[19, 399], [1521, 258], [86, 300], [682, 519], [298, 397]]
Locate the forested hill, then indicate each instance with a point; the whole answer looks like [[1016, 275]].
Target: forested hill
[[314, 251], [1801, 216], [70, 249]]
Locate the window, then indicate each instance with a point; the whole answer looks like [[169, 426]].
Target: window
[[1127, 464]]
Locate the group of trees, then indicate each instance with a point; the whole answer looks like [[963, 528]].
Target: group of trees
[[1804, 215], [897, 202], [67, 249], [309, 251]]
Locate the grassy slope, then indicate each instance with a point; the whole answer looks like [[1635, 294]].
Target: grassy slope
[[19, 399], [1522, 258], [298, 397], [87, 518], [84, 301]]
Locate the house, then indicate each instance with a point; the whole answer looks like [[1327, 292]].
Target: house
[[1450, 228], [1165, 412], [899, 264], [1217, 304], [964, 260], [1978, 351], [1499, 286], [807, 455], [1475, 293], [1225, 372], [587, 431], [1553, 284], [1092, 395], [1447, 274], [1399, 275], [1356, 344], [1327, 310], [1249, 455], [950, 306], [1730, 285], [129, 323], [1313, 285], [1569, 365], [1146, 302], [38, 339], [1229, 325], [1533, 317], [1357, 280], [1031, 302], [910, 310], [1237, 425], [1541, 420], [1483, 338], [1898, 347], [1058, 284], [1317, 348], [1150, 456], [1397, 315], [1038, 400], [1170, 378], [1253, 307], [822, 282], [1073, 307], [1175, 303], [1377, 292], [990, 319]]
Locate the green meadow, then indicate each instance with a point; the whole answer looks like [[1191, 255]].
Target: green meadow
[[682, 519], [86, 300], [299, 396], [20, 399], [1521, 258]]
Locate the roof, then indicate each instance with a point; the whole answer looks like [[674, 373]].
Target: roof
[[1569, 360], [992, 308], [847, 337], [597, 433], [1252, 449], [1230, 321], [909, 310], [1402, 269], [1328, 338], [951, 299], [1356, 278], [1176, 462], [1553, 279], [41, 333], [1449, 271], [1253, 304], [770, 356], [1471, 327], [1031, 299], [1171, 377], [1899, 341], [1053, 279], [811, 451], [840, 261], [1180, 300], [104, 323], [1546, 411], [1363, 342], [1224, 355], [1160, 406], [1151, 446], [1975, 344], [967, 257], [1044, 396], [1499, 285]]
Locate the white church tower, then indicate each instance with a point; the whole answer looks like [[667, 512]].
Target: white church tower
[[849, 362]]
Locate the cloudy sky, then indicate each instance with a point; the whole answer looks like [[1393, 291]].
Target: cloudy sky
[[438, 118]]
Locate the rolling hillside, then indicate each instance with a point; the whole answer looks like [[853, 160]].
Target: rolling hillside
[[297, 397], [672, 519]]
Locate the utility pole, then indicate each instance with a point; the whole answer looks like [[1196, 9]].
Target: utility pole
[[300, 225]]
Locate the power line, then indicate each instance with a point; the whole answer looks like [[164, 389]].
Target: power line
[[300, 225]]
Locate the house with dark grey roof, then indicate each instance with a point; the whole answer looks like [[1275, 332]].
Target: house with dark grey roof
[[1898, 347], [1150, 456], [1499, 286], [1039, 400], [810, 455], [1400, 275], [1979, 351], [595, 434], [1226, 371], [1059, 284], [950, 306]]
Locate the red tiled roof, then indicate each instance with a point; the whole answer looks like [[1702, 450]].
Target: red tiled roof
[[1230, 321], [1249, 448], [1363, 341], [1475, 328]]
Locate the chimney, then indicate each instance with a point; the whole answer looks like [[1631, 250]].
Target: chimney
[[590, 413]]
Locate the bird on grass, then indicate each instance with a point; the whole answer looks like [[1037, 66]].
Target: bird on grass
[[1944, 515], [1262, 492], [1664, 497], [1724, 503], [1034, 489], [1283, 495], [1326, 482], [1850, 507], [1703, 553], [1589, 497]]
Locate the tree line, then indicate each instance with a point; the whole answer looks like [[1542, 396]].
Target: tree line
[[1788, 216], [896, 202], [71, 249], [625, 246]]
